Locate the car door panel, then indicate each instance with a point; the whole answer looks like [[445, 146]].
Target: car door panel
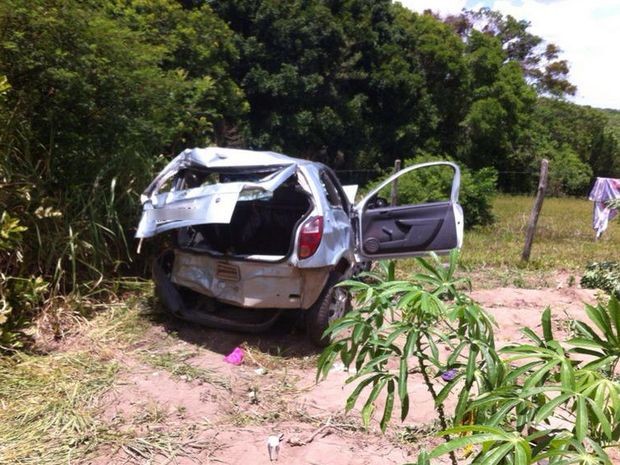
[[410, 230]]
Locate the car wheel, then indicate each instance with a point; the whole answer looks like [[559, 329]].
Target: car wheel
[[333, 303]]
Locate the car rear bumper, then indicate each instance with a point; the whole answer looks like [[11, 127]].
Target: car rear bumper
[[251, 284]]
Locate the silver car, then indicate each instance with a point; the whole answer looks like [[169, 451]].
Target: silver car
[[261, 230]]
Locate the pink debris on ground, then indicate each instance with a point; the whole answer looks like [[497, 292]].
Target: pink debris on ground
[[235, 357]]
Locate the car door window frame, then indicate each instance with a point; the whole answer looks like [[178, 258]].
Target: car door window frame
[[361, 206], [454, 191]]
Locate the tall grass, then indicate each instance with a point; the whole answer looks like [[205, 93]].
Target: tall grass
[[71, 238]]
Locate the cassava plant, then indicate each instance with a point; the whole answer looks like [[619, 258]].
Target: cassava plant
[[518, 405], [409, 320], [554, 406], [603, 275]]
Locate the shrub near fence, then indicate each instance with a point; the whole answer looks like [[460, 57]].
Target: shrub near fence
[[434, 183], [603, 275]]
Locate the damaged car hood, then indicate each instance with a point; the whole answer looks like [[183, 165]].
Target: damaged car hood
[[212, 203]]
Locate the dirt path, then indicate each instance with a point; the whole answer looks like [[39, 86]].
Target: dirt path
[[185, 405]]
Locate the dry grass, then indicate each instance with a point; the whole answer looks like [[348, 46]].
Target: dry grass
[[51, 408], [122, 324], [49, 405], [146, 442], [267, 399], [176, 363]]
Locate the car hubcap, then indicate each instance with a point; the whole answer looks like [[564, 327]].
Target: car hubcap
[[338, 304]]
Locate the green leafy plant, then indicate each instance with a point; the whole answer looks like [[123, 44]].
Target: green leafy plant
[[545, 399], [603, 275], [566, 408], [19, 296], [602, 341], [408, 320]]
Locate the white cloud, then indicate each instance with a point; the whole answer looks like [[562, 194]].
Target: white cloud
[[587, 31]]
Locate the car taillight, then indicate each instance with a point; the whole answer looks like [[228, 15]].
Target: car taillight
[[310, 237]]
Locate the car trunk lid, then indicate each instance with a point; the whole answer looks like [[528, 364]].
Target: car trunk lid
[[213, 203]]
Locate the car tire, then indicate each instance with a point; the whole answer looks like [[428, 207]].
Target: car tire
[[333, 303]]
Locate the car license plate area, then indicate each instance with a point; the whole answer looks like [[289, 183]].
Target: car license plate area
[[227, 272]]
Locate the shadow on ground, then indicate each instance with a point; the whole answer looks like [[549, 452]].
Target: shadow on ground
[[286, 338]]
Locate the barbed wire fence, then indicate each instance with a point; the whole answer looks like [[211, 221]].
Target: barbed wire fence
[[362, 177]]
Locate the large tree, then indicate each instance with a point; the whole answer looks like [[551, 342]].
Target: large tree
[[350, 82], [439, 74], [291, 53], [539, 60]]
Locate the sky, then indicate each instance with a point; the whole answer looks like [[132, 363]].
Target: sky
[[588, 32]]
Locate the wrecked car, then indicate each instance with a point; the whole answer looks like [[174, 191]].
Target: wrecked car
[[261, 230]]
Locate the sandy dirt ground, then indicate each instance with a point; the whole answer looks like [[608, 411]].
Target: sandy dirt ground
[[220, 413]]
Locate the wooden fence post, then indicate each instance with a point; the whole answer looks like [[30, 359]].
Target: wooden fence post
[[540, 195], [394, 193]]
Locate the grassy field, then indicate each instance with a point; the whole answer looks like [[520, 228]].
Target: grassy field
[[564, 238]]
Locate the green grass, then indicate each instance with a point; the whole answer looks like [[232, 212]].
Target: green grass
[[564, 237]]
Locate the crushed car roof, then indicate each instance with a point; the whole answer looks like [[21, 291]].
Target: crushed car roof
[[209, 203], [218, 157]]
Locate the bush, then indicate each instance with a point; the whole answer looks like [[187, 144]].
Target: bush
[[603, 275], [477, 190], [568, 174]]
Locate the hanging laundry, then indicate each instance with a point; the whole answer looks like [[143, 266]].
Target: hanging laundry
[[604, 190]]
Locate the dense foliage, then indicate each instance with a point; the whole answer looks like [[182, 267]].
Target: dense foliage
[[92, 93], [544, 399], [96, 95]]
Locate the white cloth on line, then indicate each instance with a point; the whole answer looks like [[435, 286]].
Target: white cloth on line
[[604, 190]]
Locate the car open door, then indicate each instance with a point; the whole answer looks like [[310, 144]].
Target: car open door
[[386, 231]]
